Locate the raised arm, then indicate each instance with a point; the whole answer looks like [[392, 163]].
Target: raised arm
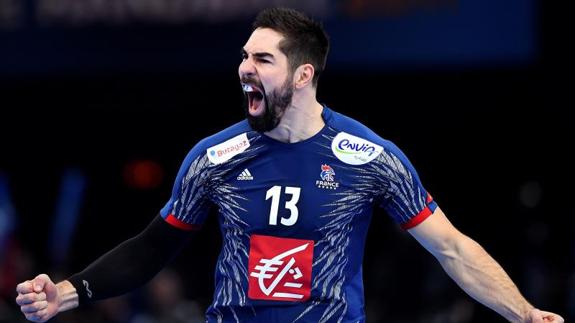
[[124, 268], [475, 271]]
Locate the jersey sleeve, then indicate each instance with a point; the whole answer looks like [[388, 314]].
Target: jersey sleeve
[[402, 195], [189, 204]]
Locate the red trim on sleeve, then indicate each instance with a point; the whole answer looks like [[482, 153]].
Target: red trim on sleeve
[[424, 214], [171, 219]]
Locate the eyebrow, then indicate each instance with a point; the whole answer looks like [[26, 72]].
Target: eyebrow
[[258, 54]]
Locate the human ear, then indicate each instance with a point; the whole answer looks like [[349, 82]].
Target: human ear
[[303, 75]]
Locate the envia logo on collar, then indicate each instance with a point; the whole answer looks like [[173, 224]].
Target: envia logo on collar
[[354, 150]]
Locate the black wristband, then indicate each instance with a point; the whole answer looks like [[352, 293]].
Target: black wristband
[[82, 288]]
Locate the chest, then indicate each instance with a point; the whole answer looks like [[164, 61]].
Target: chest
[[292, 192]]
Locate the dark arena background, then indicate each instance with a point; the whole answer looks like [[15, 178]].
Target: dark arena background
[[101, 100]]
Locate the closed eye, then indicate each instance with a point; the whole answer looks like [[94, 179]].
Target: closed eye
[[264, 57], [261, 57]]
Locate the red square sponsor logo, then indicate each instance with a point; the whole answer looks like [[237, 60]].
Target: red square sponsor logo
[[280, 268]]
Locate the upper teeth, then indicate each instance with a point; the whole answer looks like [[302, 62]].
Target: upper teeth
[[248, 88]]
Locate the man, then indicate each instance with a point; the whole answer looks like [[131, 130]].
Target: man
[[295, 185]]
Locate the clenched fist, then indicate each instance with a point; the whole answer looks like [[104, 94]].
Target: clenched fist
[[40, 299]]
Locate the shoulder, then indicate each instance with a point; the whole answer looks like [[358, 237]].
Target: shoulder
[[223, 145], [350, 132], [232, 131], [342, 123], [356, 144]]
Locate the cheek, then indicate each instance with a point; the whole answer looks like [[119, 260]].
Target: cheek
[[277, 81]]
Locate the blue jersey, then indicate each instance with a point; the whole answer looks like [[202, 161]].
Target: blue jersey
[[294, 217]]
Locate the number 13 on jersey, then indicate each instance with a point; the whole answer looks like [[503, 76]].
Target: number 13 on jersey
[[291, 204]]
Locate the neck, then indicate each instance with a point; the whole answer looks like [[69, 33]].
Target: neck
[[300, 121]]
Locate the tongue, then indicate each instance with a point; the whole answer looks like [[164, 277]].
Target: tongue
[[257, 106]]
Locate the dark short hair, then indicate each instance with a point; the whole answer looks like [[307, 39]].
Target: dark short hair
[[305, 41]]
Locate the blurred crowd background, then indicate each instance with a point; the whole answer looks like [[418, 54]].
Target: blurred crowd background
[[101, 100]]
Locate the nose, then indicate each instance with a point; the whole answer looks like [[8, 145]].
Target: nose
[[246, 68]]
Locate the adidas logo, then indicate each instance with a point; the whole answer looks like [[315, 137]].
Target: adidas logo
[[245, 176]]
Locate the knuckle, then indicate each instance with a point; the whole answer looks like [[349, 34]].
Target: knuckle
[[43, 305], [23, 287], [19, 300], [41, 296], [22, 301], [29, 308]]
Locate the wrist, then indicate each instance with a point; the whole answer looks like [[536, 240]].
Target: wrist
[[524, 315], [67, 296]]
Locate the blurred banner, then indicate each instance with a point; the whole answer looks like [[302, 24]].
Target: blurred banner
[[95, 36], [7, 215], [117, 12], [66, 218]]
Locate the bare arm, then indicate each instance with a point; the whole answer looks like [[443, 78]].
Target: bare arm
[[475, 271]]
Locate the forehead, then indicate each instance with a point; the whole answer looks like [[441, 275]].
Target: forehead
[[264, 40]]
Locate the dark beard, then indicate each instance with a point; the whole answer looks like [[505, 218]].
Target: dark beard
[[275, 105]]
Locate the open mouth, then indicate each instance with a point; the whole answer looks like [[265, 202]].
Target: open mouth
[[255, 99]]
